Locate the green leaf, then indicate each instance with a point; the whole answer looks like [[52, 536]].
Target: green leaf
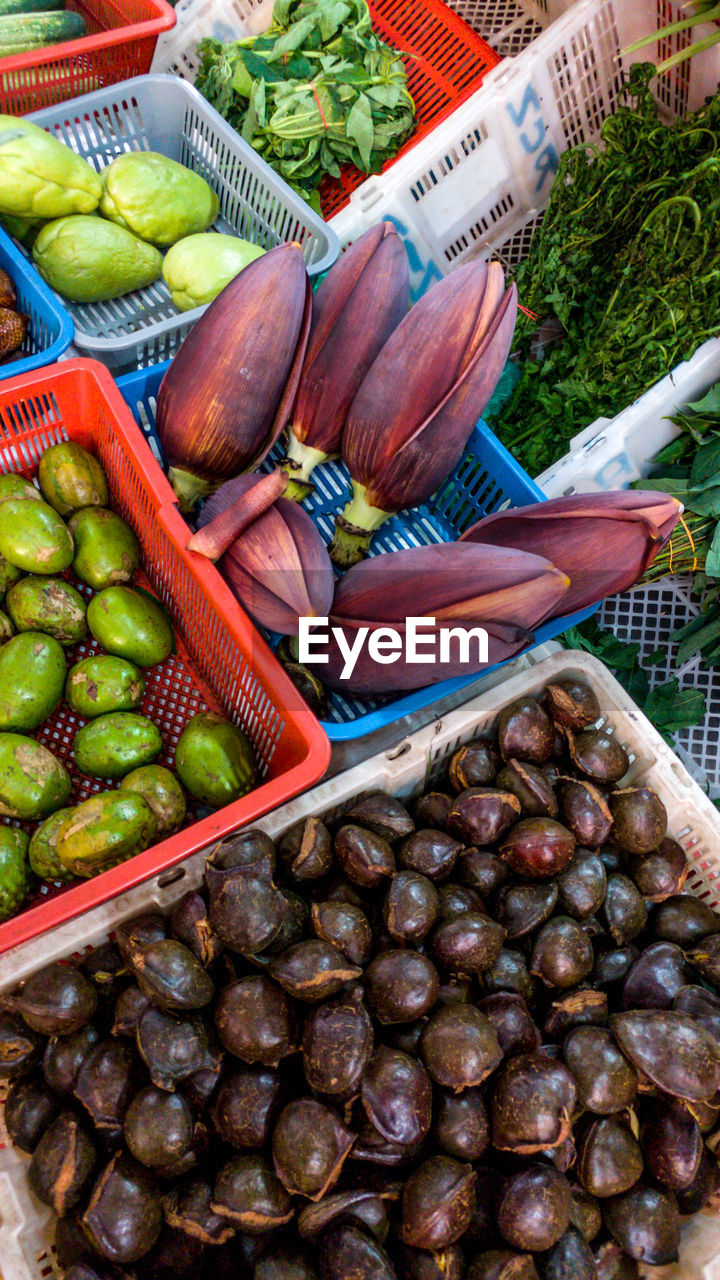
[[706, 465], [694, 640], [710, 403], [259, 69], [712, 558], [671, 708], [359, 127], [704, 503]]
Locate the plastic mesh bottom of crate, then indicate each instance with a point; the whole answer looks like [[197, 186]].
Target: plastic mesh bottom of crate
[[507, 25]]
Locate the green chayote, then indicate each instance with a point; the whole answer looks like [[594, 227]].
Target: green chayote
[[39, 176], [156, 198]]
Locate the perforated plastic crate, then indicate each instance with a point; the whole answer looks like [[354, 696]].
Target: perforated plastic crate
[[445, 60], [50, 330], [26, 1227], [220, 663], [162, 113], [486, 479]]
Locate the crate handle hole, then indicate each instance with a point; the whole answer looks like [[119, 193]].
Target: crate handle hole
[[171, 877], [398, 751], [681, 775]]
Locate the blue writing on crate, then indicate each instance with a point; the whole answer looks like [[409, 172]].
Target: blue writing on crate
[[423, 274], [532, 131]]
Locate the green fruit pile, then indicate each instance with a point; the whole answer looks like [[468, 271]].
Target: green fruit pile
[[65, 526]]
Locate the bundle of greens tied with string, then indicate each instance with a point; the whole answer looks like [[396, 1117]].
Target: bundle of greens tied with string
[[315, 91], [622, 280]]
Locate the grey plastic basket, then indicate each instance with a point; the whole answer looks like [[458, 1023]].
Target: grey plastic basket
[[165, 114]]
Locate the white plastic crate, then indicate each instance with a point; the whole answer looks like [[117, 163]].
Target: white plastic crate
[[26, 1227]]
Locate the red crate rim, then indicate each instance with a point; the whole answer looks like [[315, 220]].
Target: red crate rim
[[163, 18], [269, 795]]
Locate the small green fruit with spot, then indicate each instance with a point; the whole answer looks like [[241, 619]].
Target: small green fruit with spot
[[6, 628], [106, 549], [33, 537], [51, 605], [14, 486], [112, 745], [163, 793], [71, 478], [32, 678], [215, 760], [9, 573], [103, 683], [15, 875], [42, 850], [131, 624], [33, 784], [105, 831]]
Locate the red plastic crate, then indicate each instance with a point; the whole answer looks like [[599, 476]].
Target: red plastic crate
[[445, 60], [221, 662], [120, 44]]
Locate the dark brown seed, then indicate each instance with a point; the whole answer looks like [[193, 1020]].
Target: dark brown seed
[[71, 1244], [585, 1213], [525, 732], [707, 1179], [29, 1109], [684, 919], [141, 931], [534, 1209], [246, 910], [366, 859], [624, 909], [646, 1224], [246, 1106], [371, 1148], [461, 1128], [705, 957], [639, 819], [510, 973], [703, 1005], [401, 986], [521, 908], [64, 1057], [313, 970], [532, 1104], [190, 925], [432, 853], [20, 1048], [460, 1047], [511, 1018], [432, 809], [175, 1256], [531, 787], [606, 1082], [572, 703], [598, 755], [585, 811], [309, 1145], [563, 954], [411, 907], [455, 899], [612, 1263], [655, 979], [129, 1009], [437, 1203], [249, 1195], [661, 873], [502, 1264], [54, 1001], [105, 967], [571, 1259], [582, 885], [124, 1217], [582, 1007], [106, 1081], [474, 765], [672, 1144], [173, 1049], [158, 1128], [609, 1159], [293, 927], [171, 976], [346, 927], [337, 1045], [349, 1253], [469, 943], [671, 1049], [255, 1022], [480, 815], [368, 1209], [614, 965], [284, 1258], [306, 850], [253, 848], [482, 871], [396, 1095], [61, 1164], [187, 1209], [537, 848], [384, 815]]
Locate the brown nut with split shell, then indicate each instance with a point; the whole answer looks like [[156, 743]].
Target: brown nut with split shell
[[366, 859], [411, 907], [123, 1218], [310, 1145], [255, 1021], [461, 1127], [480, 815], [62, 1163], [248, 1194], [676, 1054], [246, 1106], [610, 1159], [396, 1095], [656, 977], [585, 811], [346, 926], [337, 1044], [437, 1203], [54, 1001], [639, 819], [662, 872], [624, 909], [468, 943], [532, 1104], [582, 885], [525, 731], [382, 814], [562, 954], [476, 764], [605, 1080], [522, 907], [646, 1224], [672, 1143], [531, 787], [313, 970], [513, 1023], [537, 848], [572, 703], [432, 853], [598, 755], [534, 1208], [306, 850], [460, 1047], [401, 986]]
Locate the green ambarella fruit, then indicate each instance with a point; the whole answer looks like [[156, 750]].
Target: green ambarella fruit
[[156, 198], [33, 537], [131, 624], [103, 683], [15, 875], [23, 229], [42, 850], [215, 760], [9, 573], [71, 478], [197, 268], [50, 605], [39, 176], [32, 678], [106, 549], [163, 793], [6, 628], [15, 486], [33, 784], [90, 260], [104, 831], [112, 745]]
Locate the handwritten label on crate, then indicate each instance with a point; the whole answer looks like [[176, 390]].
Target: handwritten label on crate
[[530, 133]]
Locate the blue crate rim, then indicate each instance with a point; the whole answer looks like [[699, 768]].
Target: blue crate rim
[[135, 387], [50, 305]]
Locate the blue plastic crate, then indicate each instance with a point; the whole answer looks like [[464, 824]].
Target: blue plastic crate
[[51, 328], [487, 478]]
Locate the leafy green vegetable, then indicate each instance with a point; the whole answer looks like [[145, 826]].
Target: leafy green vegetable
[[315, 91], [626, 260]]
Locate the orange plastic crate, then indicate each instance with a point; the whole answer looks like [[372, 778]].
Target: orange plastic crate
[[120, 44], [221, 662], [445, 60]]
